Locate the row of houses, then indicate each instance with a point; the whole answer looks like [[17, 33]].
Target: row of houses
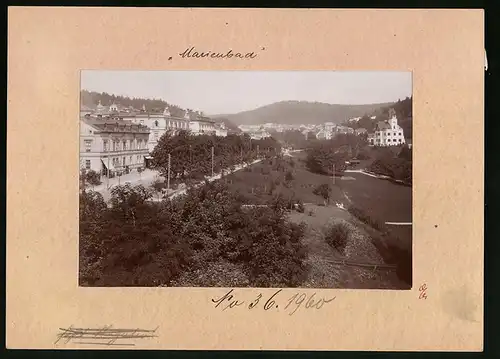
[[114, 139]]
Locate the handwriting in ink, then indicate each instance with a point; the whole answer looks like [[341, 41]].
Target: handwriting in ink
[[106, 335], [423, 291], [227, 298], [297, 300], [273, 302], [191, 52]]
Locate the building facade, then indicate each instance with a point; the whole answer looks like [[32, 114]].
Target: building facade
[[387, 133], [199, 124], [220, 130], [159, 124], [112, 145]]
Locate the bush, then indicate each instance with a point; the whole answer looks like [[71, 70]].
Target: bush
[[323, 190], [300, 207], [337, 235], [289, 176], [403, 260], [363, 155], [365, 218]]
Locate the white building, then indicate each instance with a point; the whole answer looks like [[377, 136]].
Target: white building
[[387, 133], [329, 126], [111, 144], [159, 123], [324, 135], [220, 130], [258, 135], [199, 124]]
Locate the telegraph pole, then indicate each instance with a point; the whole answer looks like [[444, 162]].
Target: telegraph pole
[[333, 173], [212, 161], [108, 173], [168, 175]]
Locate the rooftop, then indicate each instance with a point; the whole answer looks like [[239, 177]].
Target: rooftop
[[115, 125]]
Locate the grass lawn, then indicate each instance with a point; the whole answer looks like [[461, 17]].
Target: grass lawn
[[260, 182], [383, 200]]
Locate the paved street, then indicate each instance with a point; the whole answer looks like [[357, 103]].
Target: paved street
[[146, 178]]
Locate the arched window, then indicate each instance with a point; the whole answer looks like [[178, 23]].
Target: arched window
[[156, 123]]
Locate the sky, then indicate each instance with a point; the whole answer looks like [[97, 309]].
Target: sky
[[225, 92]]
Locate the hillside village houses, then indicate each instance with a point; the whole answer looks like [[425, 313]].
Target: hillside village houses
[[387, 133]]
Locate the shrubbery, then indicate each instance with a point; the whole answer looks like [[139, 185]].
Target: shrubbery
[[365, 218], [336, 235], [391, 253], [324, 191], [139, 243], [398, 168]]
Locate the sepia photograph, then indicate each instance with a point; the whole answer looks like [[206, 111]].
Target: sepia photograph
[[280, 179]]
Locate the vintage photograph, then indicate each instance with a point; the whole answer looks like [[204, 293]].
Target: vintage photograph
[[246, 179]]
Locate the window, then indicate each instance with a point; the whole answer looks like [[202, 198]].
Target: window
[[124, 161], [105, 145], [400, 134], [156, 123], [141, 122], [124, 146], [400, 140], [88, 145], [87, 164], [130, 160], [130, 147], [156, 135]]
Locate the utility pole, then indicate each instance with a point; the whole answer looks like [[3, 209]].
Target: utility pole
[[333, 173], [212, 161], [108, 173], [168, 175]]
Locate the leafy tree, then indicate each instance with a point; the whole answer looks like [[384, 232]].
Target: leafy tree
[[324, 191], [93, 178]]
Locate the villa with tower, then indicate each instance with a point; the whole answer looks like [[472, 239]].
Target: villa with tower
[[387, 133]]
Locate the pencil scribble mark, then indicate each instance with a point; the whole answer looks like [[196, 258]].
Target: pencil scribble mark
[[106, 335]]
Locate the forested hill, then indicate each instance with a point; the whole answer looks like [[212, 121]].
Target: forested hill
[[301, 112], [91, 99]]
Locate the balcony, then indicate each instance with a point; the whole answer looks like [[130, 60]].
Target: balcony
[[129, 152]]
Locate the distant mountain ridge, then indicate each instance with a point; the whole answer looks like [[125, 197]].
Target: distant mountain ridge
[[301, 112]]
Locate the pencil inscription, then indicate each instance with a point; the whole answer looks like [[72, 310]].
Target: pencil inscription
[[106, 335]]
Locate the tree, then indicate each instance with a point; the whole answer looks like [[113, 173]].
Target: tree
[[324, 191], [405, 153], [93, 178]]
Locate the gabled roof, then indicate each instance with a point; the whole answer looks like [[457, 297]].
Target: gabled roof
[[382, 125]]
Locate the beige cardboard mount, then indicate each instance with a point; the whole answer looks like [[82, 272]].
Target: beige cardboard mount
[[444, 49]]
